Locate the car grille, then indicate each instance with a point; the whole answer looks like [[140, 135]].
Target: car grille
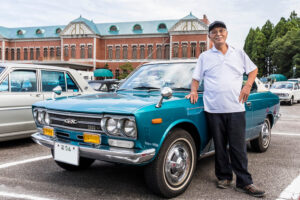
[[75, 121]]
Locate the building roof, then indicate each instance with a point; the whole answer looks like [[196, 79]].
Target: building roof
[[103, 29]]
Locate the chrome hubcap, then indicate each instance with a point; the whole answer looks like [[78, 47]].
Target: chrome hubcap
[[177, 163], [266, 134]]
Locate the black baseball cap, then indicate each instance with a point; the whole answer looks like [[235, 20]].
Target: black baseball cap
[[216, 24]]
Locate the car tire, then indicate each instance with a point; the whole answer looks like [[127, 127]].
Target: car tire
[[172, 170], [84, 163], [291, 101], [262, 143]]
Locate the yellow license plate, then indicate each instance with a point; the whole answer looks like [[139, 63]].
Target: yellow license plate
[[91, 138], [48, 131]]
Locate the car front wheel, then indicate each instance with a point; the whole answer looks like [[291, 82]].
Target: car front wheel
[[84, 163], [262, 143], [171, 172]]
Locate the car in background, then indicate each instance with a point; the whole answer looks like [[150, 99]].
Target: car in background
[[287, 91], [147, 121], [21, 85], [296, 80], [107, 85]]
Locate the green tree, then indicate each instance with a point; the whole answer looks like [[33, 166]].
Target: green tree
[[249, 42], [105, 66], [258, 53], [126, 69]]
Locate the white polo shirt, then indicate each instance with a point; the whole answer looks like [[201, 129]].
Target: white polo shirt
[[223, 78]]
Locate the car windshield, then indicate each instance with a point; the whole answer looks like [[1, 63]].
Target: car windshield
[[177, 76], [282, 86], [95, 85], [1, 69], [293, 80]]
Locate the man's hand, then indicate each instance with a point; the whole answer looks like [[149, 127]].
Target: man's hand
[[245, 93], [193, 96]]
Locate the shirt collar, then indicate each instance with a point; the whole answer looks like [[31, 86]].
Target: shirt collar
[[230, 48]]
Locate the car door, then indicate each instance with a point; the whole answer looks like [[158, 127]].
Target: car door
[[18, 92], [51, 78], [297, 92]]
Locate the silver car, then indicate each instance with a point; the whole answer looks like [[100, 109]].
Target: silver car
[[21, 85]]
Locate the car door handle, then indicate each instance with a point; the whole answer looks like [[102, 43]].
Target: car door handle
[[248, 103]]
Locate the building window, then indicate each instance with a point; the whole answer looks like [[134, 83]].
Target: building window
[[184, 50], [20, 32], [31, 54], [175, 50], [110, 53], [45, 52], [52, 52], [6, 54], [150, 51], [167, 52], [73, 51], [117, 52], [158, 52], [134, 52], [66, 51], [162, 26], [137, 27], [12, 54], [142, 52], [202, 47], [125, 52], [193, 50], [25, 54], [58, 53], [18, 54], [90, 51], [82, 51], [58, 30], [113, 28], [37, 53], [117, 74], [39, 31]]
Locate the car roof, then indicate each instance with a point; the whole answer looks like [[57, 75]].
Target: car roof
[[30, 66]]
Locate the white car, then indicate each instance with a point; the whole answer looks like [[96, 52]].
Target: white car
[[21, 85], [287, 91]]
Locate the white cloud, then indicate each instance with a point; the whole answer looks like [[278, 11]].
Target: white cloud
[[238, 15]]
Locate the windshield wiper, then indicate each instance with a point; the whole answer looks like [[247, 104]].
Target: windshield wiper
[[146, 88]]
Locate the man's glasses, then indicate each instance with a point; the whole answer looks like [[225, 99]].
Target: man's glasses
[[215, 32]]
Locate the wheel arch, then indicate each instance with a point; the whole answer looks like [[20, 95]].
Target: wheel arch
[[188, 126], [271, 119]]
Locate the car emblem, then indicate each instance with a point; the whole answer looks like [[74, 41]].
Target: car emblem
[[70, 121]]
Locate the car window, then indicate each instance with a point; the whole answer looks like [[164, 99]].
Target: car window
[[104, 88], [95, 85], [254, 86], [71, 84], [174, 75], [1, 69], [282, 86], [51, 79], [23, 81], [4, 85]]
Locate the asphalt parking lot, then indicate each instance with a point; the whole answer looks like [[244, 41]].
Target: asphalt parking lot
[[28, 172]]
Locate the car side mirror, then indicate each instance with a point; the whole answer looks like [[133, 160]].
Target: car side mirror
[[56, 91], [166, 93]]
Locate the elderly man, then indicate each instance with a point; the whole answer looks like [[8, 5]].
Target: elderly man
[[222, 68]]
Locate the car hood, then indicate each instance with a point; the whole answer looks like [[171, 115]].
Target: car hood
[[280, 90], [102, 103]]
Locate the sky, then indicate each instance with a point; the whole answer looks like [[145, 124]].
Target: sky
[[238, 15]]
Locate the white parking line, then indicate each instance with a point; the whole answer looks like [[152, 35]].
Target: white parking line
[[21, 196], [24, 161], [287, 134], [292, 191]]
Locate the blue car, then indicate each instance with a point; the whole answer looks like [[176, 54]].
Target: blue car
[[147, 122]]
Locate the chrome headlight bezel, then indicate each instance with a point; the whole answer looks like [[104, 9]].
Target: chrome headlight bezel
[[39, 115], [119, 129]]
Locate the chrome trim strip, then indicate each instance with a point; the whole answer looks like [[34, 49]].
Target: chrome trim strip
[[78, 122], [111, 154], [76, 129], [71, 114], [16, 108]]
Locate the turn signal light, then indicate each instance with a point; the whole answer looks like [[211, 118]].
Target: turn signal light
[[91, 138], [157, 121]]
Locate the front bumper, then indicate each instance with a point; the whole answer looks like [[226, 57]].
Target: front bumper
[[110, 154]]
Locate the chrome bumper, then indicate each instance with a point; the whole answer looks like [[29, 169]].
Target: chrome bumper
[[110, 154]]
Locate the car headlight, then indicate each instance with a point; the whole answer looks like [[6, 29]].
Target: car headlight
[[40, 117], [119, 126], [47, 118], [129, 128], [111, 126]]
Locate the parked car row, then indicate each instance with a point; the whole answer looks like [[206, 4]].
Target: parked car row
[[287, 91], [147, 121]]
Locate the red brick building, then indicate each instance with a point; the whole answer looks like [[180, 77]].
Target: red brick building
[[85, 45]]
